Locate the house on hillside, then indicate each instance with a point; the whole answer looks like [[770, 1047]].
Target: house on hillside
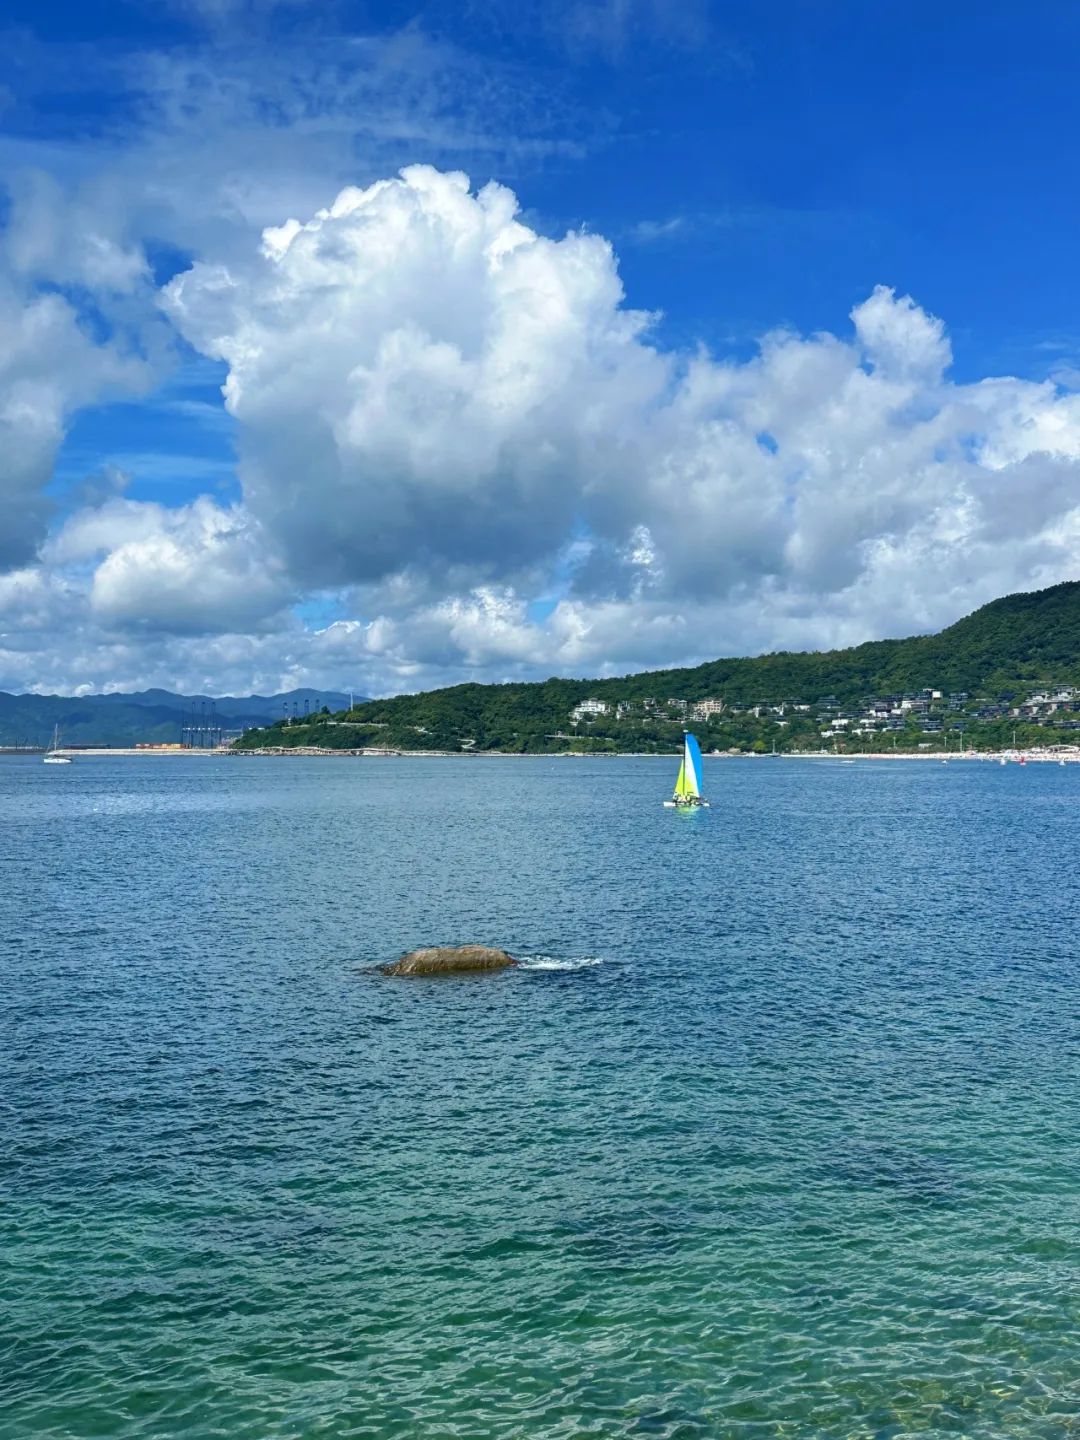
[[705, 709], [589, 710]]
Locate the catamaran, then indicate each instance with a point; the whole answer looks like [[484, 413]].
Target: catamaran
[[52, 755], [687, 794]]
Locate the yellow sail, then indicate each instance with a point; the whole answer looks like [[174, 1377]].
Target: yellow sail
[[688, 785], [683, 788]]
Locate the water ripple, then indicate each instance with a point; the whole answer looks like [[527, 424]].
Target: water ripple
[[772, 1134]]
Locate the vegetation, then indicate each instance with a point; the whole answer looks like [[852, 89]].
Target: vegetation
[[995, 656]]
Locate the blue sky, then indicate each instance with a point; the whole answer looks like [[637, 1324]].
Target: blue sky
[[756, 170], [785, 158]]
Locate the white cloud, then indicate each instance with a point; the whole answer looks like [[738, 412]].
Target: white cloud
[[194, 569], [207, 142], [201, 568], [192, 150], [442, 414], [423, 385], [49, 367], [33, 602], [73, 236], [648, 231], [899, 338], [419, 379]]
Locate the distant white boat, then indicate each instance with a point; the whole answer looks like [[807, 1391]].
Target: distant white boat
[[52, 755]]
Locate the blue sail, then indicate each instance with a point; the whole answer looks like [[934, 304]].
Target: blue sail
[[693, 761]]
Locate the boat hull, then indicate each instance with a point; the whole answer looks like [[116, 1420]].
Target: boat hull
[[686, 805]]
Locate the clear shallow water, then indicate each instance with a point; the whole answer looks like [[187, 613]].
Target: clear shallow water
[[794, 1155]]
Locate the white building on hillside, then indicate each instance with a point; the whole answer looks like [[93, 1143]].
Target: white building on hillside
[[704, 708], [588, 710]]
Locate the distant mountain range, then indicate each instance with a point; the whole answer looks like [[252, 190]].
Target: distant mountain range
[[148, 716]]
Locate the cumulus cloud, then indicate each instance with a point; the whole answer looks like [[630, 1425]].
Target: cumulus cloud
[[420, 379], [49, 367], [72, 236], [900, 339], [425, 385], [193, 569], [33, 601], [443, 416], [188, 151]]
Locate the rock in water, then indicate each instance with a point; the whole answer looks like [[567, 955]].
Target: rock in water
[[449, 960]]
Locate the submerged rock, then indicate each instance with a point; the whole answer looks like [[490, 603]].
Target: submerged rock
[[449, 960]]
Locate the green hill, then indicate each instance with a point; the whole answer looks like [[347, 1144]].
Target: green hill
[[999, 653]]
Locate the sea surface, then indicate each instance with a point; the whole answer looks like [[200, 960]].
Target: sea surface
[[775, 1133]]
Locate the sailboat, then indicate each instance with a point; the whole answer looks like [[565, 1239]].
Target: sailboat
[[52, 755], [687, 794]]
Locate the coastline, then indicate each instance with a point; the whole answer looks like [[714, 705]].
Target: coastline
[[1010, 756], [938, 756]]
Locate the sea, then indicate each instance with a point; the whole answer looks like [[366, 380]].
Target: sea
[[774, 1131]]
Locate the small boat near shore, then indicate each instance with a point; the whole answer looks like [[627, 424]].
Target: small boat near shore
[[687, 795], [52, 755]]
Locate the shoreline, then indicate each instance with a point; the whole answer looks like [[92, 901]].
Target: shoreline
[[1010, 756]]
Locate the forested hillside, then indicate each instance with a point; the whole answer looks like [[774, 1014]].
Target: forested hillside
[[999, 654]]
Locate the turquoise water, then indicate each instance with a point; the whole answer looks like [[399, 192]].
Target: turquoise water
[[774, 1135]]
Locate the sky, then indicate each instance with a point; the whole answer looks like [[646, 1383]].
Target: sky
[[384, 346]]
